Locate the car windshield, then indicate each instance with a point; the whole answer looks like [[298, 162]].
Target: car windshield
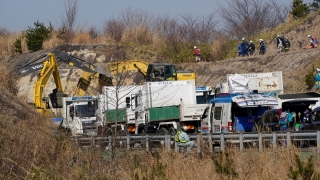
[[85, 111]]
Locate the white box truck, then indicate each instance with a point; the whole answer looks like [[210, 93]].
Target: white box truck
[[163, 106]]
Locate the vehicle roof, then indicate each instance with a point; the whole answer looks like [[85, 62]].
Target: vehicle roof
[[222, 99], [300, 102], [316, 109], [299, 95]]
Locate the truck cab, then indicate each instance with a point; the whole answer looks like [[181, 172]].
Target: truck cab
[[235, 113], [79, 115], [161, 72], [117, 108]]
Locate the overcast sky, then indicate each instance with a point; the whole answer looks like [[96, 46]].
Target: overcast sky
[[17, 15]]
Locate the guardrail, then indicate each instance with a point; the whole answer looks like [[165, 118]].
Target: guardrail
[[257, 140]]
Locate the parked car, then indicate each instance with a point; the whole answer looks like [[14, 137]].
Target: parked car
[[312, 125], [314, 121], [270, 119]]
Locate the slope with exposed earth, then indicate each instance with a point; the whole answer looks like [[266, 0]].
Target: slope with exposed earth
[[294, 66]]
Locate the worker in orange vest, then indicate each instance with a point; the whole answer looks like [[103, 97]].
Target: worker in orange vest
[[314, 40], [311, 45]]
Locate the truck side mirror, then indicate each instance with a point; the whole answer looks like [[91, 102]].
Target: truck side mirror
[[71, 111], [89, 103]]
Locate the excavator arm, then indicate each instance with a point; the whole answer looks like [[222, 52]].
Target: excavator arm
[[50, 67], [90, 72], [131, 65]]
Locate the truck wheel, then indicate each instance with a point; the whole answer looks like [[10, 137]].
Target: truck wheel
[[172, 131], [163, 131]]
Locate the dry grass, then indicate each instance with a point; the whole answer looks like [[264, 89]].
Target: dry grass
[[32, 148]]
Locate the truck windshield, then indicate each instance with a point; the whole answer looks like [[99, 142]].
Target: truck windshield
[[206, 113], [85, 111]]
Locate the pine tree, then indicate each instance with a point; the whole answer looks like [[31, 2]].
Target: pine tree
[[17, 45], [35, 36], [299, 9], [315, 5]]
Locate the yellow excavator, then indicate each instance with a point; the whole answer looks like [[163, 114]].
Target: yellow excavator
[[153, 71], [90, 73], [49, 66]]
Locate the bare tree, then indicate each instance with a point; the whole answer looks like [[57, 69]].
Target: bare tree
[[199, 29], [168, 30], [93, 32], [4, 32], [115, 29], [138, 23], [69, 20], [244, 18]]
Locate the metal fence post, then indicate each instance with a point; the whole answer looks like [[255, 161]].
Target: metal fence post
[[147, 143], [176, 148], [165, 141], [198, 142], [222, 142], [93, 141], [274, 139], [288, 139], [241, 141], [210, 143], [260, 142], [110, 140], [128, 142], [318, 141], [168, 142]]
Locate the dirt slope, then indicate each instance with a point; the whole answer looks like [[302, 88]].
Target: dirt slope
[[294, 66]]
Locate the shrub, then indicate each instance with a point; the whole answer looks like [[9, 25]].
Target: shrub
[[305, 171], [35, 36], [299, 9], [224, 166], [17, 45], [309, 78]]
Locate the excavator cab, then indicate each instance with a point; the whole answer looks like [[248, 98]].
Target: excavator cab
[[161, 72], [56, 98]]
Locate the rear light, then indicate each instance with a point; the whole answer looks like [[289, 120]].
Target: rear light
[[230, 126], [190, 127], [279, 114], [223, 94]]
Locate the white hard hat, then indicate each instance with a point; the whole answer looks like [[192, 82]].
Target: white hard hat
[[318, 70], [309, 36], [184, 128], [311, 41], [251, 41], [242, 39], [278, 35], [261, 40], [195, 47]]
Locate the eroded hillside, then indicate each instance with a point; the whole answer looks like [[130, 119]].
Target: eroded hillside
[[294, 66]]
